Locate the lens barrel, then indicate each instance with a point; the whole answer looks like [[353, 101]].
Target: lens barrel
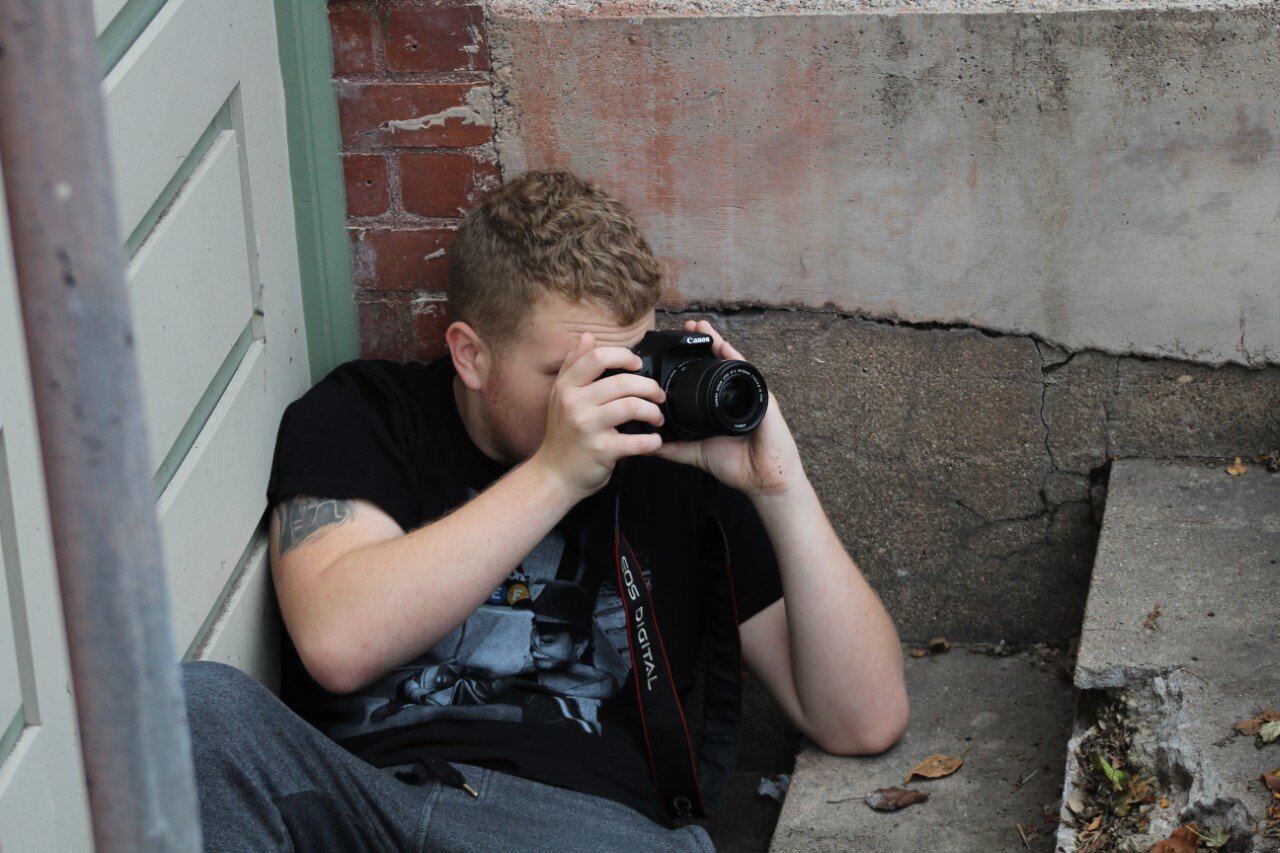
[[707, 396]]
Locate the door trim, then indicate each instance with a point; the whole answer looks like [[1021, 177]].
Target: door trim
[[319, 189]]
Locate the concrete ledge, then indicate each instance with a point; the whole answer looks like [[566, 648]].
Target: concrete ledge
[[1009, 717], [1181, 626]]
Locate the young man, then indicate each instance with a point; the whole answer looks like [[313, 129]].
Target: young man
[[441, 546]]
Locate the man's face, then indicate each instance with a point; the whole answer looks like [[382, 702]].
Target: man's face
[[552, 647], [517, 391]]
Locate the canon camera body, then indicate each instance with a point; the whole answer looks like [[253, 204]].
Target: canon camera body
[[706, 395]]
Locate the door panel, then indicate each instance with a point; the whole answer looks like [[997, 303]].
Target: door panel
[[196, 132], [42, 794]]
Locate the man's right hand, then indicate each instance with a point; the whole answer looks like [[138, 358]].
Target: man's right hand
[[582, 444]]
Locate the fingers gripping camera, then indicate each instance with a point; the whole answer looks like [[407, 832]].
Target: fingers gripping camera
[[706, 395]]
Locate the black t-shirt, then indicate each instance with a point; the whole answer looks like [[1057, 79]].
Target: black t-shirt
[[537, 681]]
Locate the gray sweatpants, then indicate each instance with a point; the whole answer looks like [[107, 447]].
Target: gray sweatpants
[[269, 781]]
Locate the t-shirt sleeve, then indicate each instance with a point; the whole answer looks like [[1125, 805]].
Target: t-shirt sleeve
[[751, 556], [343, 439]]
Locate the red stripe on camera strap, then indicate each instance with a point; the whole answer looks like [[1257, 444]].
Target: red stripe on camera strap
[[690, 786]]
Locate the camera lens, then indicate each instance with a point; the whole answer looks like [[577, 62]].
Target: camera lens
[[737, 398], [709, 396]]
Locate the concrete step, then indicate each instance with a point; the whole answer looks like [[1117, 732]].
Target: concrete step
[[1179, 642], [1008, 716]]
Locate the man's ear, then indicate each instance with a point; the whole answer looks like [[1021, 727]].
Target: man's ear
[[472, 357]]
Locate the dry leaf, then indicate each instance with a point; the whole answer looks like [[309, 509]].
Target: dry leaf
[[1150, 622], [1271, 460], [1250, 727], [1075, 802], [1272, 780], [892, 799], [1094, 824], [1269, 732], [1137, 793], [1184, 839], [937, 646], [1164, 802], [935, 767], [1235, 469]]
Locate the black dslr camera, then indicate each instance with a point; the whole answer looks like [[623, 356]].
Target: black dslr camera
[[706, 395]]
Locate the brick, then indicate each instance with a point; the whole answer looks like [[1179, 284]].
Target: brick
[[386, 330], [436, 115], [435, 38], [430, 319], [367, 191], [400, 260], [352, 31], [445, 184]]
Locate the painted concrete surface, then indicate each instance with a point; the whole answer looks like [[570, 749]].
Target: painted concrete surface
[[1181, 620], [1008, 717], [1103, 179], [966, 472]]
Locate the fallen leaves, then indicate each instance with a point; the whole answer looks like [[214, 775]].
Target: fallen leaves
[[1136, 793], [1250, 727], [1272, 781], [1271, 460], [1215, 839], [1154, 616], [1235, 469], [1265, 724], [892, 799], [1183, 840], [935, 767], [937, 646]]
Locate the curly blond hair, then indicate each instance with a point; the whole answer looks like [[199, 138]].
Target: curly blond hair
[[548, 231]]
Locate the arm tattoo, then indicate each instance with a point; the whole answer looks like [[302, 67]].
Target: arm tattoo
[[303, 518]]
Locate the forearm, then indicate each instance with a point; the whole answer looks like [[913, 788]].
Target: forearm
[[846, 662], [384, 604]]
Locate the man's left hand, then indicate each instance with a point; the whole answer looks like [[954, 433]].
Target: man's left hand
[[763, 462]]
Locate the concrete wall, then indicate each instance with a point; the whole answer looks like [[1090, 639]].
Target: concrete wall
[[924, 200], [966, 472], [1100, 179]]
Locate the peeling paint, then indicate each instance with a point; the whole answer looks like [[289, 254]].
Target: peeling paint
[[477, 109]]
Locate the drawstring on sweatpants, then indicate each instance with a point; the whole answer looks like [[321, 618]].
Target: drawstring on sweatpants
[[426, 768]]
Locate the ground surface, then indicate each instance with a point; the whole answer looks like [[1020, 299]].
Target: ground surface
[[1008, 717]]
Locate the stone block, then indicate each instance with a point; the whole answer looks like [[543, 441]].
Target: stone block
[[400, 259], [1007, 717], [1170, 408], [928, 451], [368, 192], [440, 184], [436, 38]]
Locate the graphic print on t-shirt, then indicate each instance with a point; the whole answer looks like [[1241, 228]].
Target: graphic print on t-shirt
[[548, 646]]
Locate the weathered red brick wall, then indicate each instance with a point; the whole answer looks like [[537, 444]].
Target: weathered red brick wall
[[412, 81]]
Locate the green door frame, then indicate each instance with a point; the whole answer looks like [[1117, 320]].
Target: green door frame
[[319, 190]]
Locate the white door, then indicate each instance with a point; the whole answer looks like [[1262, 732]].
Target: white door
[[196, 131]]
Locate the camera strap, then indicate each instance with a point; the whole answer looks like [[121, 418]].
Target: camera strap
[[691, 786]]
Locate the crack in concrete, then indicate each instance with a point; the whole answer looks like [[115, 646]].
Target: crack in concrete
[[1161, 744]]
